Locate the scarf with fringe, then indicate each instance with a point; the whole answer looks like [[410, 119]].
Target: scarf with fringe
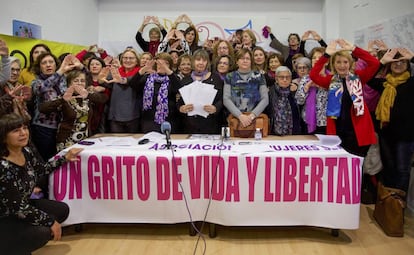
[[161, 111], [386, 101]]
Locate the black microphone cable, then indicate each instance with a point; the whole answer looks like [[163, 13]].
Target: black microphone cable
[[186, 201], [213, 181]]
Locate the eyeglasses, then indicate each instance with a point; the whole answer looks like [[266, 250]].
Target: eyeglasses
[[245, 59], [15, 70], [284, 77], [128, 58], [223, 48], [302, 67]]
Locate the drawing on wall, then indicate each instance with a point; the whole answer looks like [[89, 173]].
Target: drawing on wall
[[26, 30], [395, 32]]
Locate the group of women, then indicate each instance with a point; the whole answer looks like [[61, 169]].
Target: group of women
[[64, 101]]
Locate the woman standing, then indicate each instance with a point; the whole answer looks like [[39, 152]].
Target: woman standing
[[76, 109], [283, 110], [313, 98], [155, 34], [20, 93], [50, 84], [26, 224], [347, 114], [201, 72], [28, 74], [158, 91], [97, 120], [244, 90], [124, 107], [395, 111]]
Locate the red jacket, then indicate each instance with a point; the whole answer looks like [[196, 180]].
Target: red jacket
[[363, 126]]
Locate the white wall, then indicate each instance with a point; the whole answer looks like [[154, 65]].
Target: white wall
[[74, 21], [113, 24], [358, 14], [120, 20]]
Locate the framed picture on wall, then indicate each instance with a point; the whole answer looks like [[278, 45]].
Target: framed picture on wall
[[26, 30]]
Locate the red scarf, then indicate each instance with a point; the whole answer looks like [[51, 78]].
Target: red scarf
[[124, 73]]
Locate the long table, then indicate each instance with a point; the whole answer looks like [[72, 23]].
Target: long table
[[272, 182]]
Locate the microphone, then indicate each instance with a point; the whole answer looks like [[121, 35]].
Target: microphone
[[166, 129]]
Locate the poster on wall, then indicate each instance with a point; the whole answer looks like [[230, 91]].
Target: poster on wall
[[26, 30], [395, 32]]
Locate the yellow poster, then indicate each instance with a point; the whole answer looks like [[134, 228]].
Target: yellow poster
[[20, 47]]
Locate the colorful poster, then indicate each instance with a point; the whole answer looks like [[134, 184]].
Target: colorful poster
[[26, 30]]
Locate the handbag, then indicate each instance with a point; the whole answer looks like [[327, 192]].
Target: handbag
[[389, 210], [237, 129]]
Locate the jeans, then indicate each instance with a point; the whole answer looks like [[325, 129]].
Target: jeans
[[396, 157]]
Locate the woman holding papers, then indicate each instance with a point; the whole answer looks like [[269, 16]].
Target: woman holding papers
[[201, 97]]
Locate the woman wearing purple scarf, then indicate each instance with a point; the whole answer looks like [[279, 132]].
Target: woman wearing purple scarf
[[313, 98], [159, 90]]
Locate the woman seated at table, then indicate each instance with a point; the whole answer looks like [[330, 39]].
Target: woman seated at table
[[244, 90], [26, 224], [159, 90], [195, 123]]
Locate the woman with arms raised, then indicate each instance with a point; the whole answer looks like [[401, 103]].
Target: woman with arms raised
[[347, 114]]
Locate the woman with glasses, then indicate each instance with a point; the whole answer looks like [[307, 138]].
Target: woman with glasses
[[282, 109], [75, 108], [245, 94], [18, 93], [313, 99], [125, 103]]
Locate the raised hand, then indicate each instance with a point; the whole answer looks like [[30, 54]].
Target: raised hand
[[68, 95], [406, 53], [4, 50], [162, 67], [315, 35], [389, 56], [81, 91], [331, 48], [103, 75], [305, 36], [345, 45], [116, 76]]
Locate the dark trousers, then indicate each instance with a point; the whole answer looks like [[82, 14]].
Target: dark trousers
[[18, 237], [397, 158], [131, 126]]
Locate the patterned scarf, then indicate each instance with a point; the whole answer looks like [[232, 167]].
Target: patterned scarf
[[161, 112], [387, 98], [283, 124], [335, 92]]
